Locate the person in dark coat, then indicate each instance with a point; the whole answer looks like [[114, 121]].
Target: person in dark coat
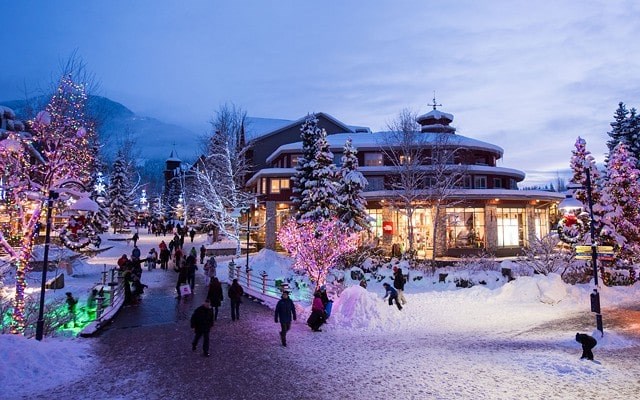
[[190, 263], [318, 315], [182, 278], [392, 294], [588, 343], [215, 296], [398, 284], [285, 312], [235, 294], [135, 239], [164, 258], [201, 323], [192, 234], [203, 252]]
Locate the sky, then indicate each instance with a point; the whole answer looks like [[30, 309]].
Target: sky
[[502, 340], [528, 76]]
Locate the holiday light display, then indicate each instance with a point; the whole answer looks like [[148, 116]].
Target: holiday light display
[[316, 246]]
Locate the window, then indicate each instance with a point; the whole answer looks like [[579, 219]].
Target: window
[[511, 227], [512, 184], [405, 159], [278, 184], [263, 185], [466, 182], [480, 182], [481, 161], [497, 183], [374, 183], [294, 161], [465, 227], [337, 159], [373, 159], [541, 221], [375, 222]]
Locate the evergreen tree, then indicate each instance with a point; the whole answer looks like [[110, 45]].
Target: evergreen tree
[[351, 204], [120, 202], [618, 127], [314, 184], [625, 129], [621, 205], [581, 160]]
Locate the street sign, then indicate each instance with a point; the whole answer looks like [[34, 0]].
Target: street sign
[[605, 253]]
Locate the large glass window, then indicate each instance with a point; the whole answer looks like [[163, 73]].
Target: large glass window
[[480, 182], [294, 160], [541, 221], [278, 184], [376, 221], [465, 227], [511, 227], [373, 159], [374, 183]]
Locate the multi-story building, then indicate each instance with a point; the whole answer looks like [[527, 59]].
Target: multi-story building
[[485, 210]]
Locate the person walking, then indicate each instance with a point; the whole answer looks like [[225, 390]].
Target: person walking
[[203, 252], [215, 296], [182, 277], [190, 263], [164, 258], [210, 268], [235, 294], [201, 323], [398, 284], [192, 234], [135, 238], [71, 307], [392, 294], [285, 312]]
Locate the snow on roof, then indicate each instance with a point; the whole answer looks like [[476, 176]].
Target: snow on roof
[[436, 114], [257, 127], [376, 140]]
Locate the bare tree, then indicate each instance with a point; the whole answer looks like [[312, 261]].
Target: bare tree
[[218, 178], [429, 171]]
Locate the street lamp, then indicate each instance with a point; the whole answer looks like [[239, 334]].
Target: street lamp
[[83, 204], [571, 203]]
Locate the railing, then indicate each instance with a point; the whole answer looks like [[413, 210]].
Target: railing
[[256, 282]]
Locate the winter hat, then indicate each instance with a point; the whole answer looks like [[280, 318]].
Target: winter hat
[[395, 268]]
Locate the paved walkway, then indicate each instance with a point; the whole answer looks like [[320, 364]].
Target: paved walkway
[[146, 353]]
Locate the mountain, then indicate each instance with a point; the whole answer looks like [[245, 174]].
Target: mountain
[[154, 139]]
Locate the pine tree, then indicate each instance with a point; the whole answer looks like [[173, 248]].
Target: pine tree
[[314, 184], [618, 127], [581, 160], [351, 204], [621, 205], [120, 202], [625, 129]]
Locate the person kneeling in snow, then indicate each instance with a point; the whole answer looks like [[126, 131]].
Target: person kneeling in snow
[[392, 294], [588, 343]]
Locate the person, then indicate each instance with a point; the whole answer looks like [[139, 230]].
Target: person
[[326, 303], [177, 256], [182, 278], [318, 315], [363, 283], [122, 261], [588, 343], [135, 253], [201, 323], [203, 252], [152, 257], [398, 284], [215, 296], [235, 293], [210, 268], [192, 234], [285, 312], [135, 239], [190, 263], [91, 303], [71, 307], [164, 258], [392, 294]]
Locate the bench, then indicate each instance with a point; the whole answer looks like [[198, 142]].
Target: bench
[[56, 282]]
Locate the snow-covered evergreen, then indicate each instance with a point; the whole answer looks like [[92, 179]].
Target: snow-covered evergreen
[[314, 183], [625, 129], [120, 202], [621, 205], [351, 203]]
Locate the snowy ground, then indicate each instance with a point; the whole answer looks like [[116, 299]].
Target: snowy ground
[[503, 341]]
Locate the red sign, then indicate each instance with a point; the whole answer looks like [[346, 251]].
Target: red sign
[[387, 227]]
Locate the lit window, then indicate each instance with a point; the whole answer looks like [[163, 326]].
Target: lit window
[[277, 185], [373, 159]]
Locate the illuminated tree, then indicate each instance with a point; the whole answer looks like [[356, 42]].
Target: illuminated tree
[[59, 149], [316, 246], [120, 203]]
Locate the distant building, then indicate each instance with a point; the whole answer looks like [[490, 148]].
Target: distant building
[[487, 211]]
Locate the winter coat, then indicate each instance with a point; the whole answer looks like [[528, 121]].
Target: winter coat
[[183, 273], [390, 292], [164, 255], [202, 318], [285, 311], [586, 340], [215, 294], [398, 280], [317, 305], [235, 292], [190, 262]]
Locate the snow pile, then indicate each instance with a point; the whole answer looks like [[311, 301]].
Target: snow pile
[[549, 289], [42, 364], [357, 308], [277, 266]]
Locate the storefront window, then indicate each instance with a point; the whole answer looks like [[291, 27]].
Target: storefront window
[[541, 221], [465, 227], [511, 227], [376, 222]]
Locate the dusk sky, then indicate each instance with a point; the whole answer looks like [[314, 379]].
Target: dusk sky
[[528, 76]]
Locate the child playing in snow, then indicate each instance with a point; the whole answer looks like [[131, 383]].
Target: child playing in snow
[[392, 294]]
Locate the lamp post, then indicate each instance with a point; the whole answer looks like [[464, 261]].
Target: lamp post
[[595, 296], [47, 239], [84, 204], [571, 204]]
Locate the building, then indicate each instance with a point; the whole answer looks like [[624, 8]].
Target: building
[[485, 211]]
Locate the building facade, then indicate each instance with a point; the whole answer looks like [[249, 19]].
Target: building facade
[[485, 211]]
